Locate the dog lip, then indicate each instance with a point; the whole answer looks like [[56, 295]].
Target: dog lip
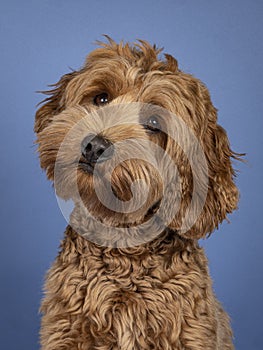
[[86, 167], [153, 209]]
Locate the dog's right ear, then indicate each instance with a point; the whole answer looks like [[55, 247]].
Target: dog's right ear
[[53, 104]]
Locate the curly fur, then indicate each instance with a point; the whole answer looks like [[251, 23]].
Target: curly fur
[[156, 295]]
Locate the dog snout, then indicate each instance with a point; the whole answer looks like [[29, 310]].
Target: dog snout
[[96, 149]]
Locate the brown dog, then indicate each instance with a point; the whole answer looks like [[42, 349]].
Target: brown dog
[[135, 143]]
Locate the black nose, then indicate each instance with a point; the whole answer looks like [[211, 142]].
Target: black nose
[[96, 149]]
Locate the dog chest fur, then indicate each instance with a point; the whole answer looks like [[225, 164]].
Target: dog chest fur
[[151, 297]]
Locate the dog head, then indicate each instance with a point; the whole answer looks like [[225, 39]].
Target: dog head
[[133, 136]]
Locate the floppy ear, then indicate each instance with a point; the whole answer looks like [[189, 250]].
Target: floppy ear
[[217, 180], [53, 104], [222, 194], [223, 191]]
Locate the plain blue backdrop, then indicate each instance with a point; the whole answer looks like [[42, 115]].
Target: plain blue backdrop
[[218, 41]]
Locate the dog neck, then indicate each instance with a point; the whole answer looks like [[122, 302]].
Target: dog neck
[[129, 240]]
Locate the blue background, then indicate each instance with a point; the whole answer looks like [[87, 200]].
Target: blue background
[[218, 41]]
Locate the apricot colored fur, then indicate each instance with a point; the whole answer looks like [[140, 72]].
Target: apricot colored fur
[[157, 295]]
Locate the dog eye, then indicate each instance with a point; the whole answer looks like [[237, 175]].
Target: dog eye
[[101, 99], [153, 123]]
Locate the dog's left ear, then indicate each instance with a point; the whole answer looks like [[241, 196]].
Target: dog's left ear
[[53, 104], [222, 194]]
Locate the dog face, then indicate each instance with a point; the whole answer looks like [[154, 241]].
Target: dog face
[[124, 135]]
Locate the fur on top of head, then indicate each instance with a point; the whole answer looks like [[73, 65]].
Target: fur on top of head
[[134, 73]]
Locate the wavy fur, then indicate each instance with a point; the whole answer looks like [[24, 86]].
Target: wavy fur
[[157, 295]]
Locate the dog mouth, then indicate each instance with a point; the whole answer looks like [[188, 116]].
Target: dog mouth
[[152, 210], [86, 167], [89, 168], [148, 216]]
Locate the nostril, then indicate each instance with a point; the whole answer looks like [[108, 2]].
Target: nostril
[[86, 144], [88, 147], [100, 151]]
